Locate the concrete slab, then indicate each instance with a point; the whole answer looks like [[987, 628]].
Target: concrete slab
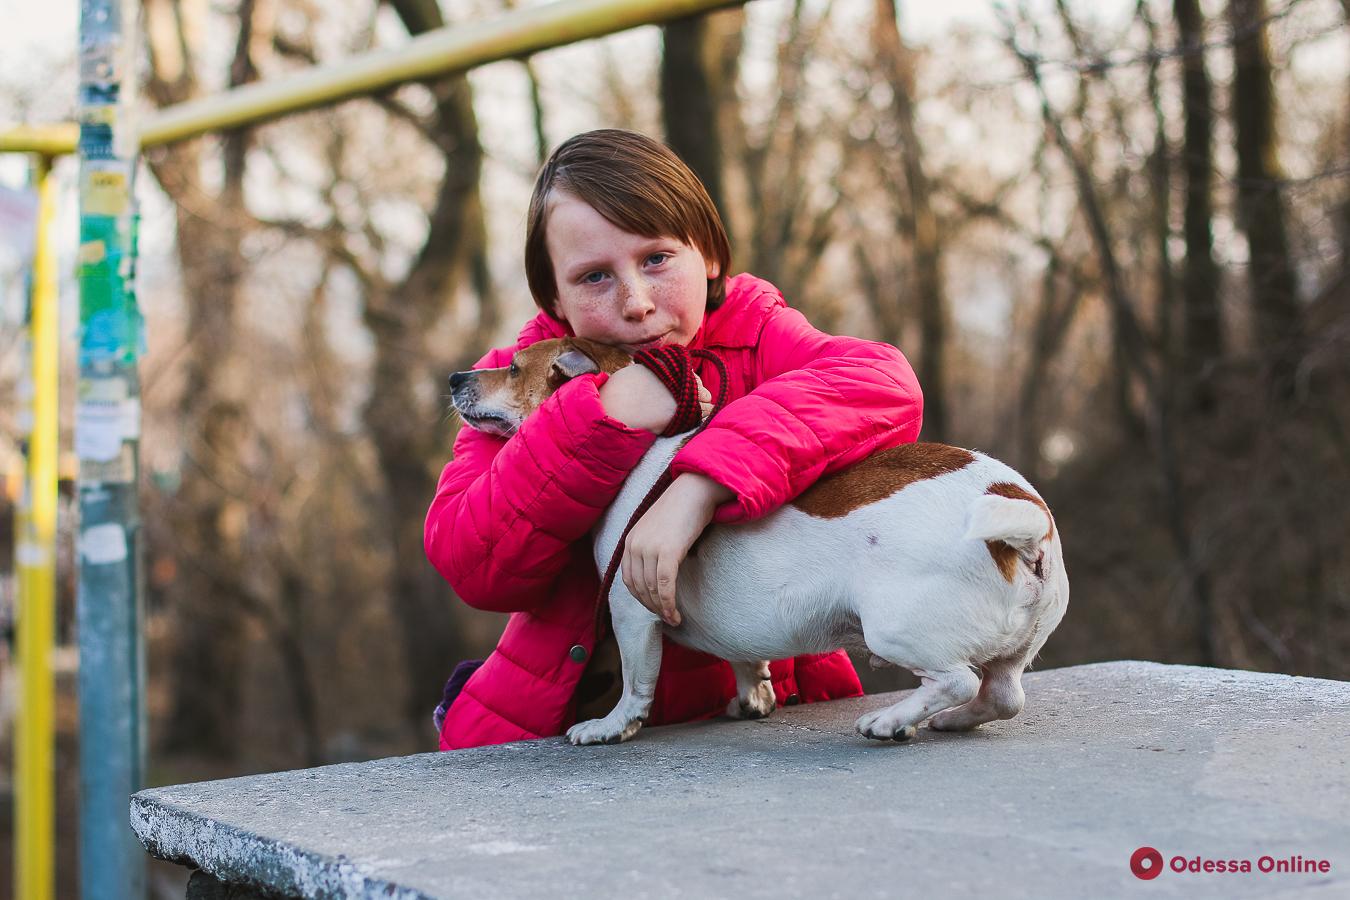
[[1208, 763]]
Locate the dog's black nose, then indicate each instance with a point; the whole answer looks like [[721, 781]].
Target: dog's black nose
[[457, 379]]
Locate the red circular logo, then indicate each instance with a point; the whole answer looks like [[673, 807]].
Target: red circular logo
[[1146, 863]]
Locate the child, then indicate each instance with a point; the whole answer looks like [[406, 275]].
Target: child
[[624, 246]]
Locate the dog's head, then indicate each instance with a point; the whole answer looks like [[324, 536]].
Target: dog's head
[[498, 400]]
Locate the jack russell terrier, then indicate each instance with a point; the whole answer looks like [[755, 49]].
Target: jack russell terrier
[[937, 559]]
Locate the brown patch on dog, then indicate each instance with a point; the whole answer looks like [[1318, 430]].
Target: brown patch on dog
[[878, 476], [1017, 492], [1005, 557]]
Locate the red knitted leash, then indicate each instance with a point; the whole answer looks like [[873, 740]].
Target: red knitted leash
[[674, 366]]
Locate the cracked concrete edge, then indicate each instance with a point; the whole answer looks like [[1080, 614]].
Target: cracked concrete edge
[[176, 834], [236, 857]]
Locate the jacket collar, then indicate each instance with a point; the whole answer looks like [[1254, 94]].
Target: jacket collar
[[735, 324]]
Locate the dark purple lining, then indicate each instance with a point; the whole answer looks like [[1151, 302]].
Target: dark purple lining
[[453, 686]]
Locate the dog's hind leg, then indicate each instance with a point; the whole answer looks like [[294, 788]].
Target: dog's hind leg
[[638, 634], [939, 691], [754, 691], [1000, 697]]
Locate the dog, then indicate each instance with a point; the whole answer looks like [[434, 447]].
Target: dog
[[935, 558]]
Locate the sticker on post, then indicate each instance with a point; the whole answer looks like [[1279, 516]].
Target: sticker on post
[[105, 416], [99, 429], [121, 470], [103, 544], [92, 253], [104, 190]]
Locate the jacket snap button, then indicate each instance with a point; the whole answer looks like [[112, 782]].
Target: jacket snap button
[[578, 653], [793, 699]]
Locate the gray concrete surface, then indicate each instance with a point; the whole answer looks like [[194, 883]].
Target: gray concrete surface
[[1108, 757]]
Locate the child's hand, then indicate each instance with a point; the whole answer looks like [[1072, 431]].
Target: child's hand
[[660, 540], [638, 399]]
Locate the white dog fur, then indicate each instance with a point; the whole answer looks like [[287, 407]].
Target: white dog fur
[[957, 576]]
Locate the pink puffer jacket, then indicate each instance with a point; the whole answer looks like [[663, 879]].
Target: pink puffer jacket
[[509, 527]]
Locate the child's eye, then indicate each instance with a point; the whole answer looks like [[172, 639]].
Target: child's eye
[[592, 278], [657, 258]]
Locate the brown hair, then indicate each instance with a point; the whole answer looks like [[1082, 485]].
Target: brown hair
[[639, 185]]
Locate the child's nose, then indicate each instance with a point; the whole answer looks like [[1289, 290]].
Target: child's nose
[[637, 301]]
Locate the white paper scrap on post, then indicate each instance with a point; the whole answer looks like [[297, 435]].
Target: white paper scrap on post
[[99, 429], [103, 544]]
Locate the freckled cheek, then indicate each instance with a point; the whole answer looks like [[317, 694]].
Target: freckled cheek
[[682, 297], [671, 294]]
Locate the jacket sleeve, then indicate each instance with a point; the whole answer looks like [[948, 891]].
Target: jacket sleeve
[[506, 511], [823, 402]]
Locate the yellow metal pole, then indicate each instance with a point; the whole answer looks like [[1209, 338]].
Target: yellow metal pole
[[35, 734]]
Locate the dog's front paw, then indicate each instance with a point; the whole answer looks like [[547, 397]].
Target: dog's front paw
[[882, 726], [757, 703], [608, 730]]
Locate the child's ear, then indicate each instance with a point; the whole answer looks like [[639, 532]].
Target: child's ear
[[713, 269]]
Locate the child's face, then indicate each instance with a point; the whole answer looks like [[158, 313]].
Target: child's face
[[621, 288]]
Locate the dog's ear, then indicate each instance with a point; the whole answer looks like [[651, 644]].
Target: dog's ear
[[570, 364], [581, 356]]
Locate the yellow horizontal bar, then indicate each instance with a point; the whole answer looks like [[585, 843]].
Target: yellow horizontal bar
[[46, 140], [436, 53], [453, 49]]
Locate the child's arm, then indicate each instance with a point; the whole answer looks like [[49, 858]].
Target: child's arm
[[506, 511], [823, 403]]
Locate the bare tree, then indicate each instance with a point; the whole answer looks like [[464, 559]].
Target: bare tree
[[1202, 322], [789, 219], [210, 508], [1134, 350], [689, 103], [400, 316], [918, 222], [1270, 269]]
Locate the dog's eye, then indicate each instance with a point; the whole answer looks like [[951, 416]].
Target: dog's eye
[[514, 370]]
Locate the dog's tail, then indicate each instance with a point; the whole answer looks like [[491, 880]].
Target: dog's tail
[[1011, 515], [1017, 526]]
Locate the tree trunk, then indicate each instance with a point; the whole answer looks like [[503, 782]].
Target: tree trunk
[[1202, 320], [688, 104], [919, 223], [1345, 204], [1270, 270], [1131, 347], [209, 513], [401, 422]]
